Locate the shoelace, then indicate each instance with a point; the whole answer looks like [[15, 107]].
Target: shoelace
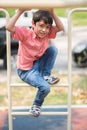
[[36, 108], [50, 79]]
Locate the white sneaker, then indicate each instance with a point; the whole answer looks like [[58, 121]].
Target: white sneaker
[[51, 80], [35, 110]]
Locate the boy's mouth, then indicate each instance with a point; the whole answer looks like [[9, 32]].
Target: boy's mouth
[[42, 34]]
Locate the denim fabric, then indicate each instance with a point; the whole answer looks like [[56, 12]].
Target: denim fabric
[[34, 76]]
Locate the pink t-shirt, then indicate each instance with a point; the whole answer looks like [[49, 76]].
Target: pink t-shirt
[[30, 47]]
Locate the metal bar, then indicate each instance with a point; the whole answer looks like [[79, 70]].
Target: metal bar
[[9, 77], [17, 108], [42, 114], [41, 4], [49, 106], [26, 85], [69, 73], [8, 68], [77, 10]]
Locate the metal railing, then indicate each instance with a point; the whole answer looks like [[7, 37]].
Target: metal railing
[[70, 57], [42, 4]]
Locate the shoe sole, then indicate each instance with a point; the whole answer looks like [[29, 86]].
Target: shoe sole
[[55, 82], [33, 114]]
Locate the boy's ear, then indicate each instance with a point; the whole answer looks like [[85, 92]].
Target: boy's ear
[[33, 24]]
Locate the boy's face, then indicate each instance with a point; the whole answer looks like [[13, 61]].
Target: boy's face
[[41, 29]]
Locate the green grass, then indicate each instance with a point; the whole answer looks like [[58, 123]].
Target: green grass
[[57, 98], [3, 94], [78, 18], [79, 90], [82, 82], [10, 11], [61, 12]]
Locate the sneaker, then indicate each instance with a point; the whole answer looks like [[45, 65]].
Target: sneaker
[[51, 80], [35, 110]]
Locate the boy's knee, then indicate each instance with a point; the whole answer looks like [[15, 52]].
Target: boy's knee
[[47, 89], [53, 49]]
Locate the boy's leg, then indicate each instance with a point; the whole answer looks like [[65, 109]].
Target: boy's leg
[[46, 64], [47, 60], [34, 78]]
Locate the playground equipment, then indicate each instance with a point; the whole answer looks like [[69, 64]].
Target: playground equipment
[[41, 4]]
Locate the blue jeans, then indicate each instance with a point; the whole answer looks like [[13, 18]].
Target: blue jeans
[[34, 76]]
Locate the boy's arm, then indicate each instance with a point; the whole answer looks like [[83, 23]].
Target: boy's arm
[[11, 24], [59, 26]]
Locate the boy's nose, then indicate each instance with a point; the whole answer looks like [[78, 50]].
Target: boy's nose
[[44, 29]]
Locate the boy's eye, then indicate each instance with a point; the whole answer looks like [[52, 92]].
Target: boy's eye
[[42, 26], [48, 27]]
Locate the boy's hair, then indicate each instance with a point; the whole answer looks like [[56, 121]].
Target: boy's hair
[[42, 15]]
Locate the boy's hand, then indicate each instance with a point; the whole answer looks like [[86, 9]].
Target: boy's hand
[[23, 10], [50, 10]]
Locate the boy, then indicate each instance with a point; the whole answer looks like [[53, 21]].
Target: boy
[[35, 57]]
